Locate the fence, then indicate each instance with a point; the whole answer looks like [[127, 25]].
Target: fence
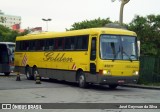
[[149, 69]]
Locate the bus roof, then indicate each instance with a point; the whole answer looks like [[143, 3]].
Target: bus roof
[[92, 31]]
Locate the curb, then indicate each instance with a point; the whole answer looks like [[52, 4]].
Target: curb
[[141, 86]]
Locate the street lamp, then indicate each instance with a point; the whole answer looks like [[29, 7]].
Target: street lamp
[[46, 22], [123, 2]]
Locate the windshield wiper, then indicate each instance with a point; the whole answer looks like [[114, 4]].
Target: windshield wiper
[[128, 56]]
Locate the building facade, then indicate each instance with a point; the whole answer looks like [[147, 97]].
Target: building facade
[[10, 21]]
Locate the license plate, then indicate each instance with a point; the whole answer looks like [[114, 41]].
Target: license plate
[[121, 81]]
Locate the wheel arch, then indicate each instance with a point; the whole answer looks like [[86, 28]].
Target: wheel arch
[[33, 68]]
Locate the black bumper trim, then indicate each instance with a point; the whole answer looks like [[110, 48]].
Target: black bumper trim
[[117, 80]]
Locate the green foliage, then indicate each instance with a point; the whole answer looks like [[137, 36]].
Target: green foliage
[[4, 32], [90, 24], [2, 19], [24, 33], [148, 31], [7, 35]]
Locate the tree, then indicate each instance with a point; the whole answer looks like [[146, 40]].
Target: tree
[[90, 24], [2, 19], [148, 30], [4, 31], [26, 31], [8, 35]]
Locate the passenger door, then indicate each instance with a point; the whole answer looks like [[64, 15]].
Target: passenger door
[[93, 56]]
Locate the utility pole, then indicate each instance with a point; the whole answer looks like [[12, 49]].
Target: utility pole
[[46, 22], [123, 2]]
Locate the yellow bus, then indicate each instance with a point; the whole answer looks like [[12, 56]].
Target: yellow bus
[[89, 56]]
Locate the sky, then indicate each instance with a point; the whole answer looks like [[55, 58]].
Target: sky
[[65, 13]]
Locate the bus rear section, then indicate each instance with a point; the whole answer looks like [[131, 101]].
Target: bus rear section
[[6, 57]]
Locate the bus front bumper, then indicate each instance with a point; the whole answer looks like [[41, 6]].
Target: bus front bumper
[[119, 80]]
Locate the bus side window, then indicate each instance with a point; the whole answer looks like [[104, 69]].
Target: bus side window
[[21, 45], [69, 43], [59, 44], [42, 44], [48, 44], [72, 46], [85, 42], [32, 45], [38, 44], [73, 43], [79, 43], [82, 42], [26, 45], [17, 46]]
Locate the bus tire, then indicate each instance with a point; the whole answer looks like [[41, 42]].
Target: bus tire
[[113, 86], [35, 72], [7, 73], [28, 74], [82, 80]]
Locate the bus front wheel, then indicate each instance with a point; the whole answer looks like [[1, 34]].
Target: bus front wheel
[[81, 80]]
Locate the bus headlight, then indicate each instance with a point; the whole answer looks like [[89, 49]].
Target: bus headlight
[[135, 73], [105, 72]]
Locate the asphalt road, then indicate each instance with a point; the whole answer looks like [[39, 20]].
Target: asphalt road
[[26, 91]]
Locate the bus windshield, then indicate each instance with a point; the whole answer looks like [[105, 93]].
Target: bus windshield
[[3, 54], [116, 47]]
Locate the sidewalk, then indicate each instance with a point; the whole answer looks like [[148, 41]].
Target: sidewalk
[[142, 86]]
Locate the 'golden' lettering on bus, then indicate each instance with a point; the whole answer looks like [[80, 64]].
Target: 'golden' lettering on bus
[[49, 56]]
